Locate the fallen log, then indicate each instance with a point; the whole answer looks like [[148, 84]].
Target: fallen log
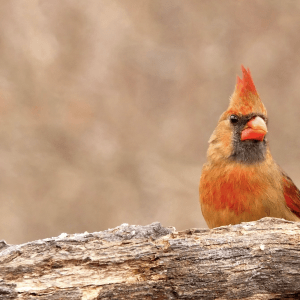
[[255, 260]]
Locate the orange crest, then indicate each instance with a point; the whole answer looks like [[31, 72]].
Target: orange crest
[[245, 99]]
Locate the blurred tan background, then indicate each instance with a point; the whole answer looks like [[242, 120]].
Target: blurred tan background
[[106, 107]]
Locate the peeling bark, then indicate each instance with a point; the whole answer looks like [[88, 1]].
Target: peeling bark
[[256, 260]]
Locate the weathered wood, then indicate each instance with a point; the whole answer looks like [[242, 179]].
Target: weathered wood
[[256, 260]]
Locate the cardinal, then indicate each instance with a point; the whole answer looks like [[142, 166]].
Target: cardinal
[[241, 182]]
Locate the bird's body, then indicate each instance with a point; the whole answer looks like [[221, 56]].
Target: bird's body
[[241, 182]]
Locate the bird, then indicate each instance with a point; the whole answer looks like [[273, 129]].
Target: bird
[[241, 182]]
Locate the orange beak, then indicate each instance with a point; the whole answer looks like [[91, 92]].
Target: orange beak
[[255, 129]]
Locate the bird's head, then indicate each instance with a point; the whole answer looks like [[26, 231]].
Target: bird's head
[[240, 134]]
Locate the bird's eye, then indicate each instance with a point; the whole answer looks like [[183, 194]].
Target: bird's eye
[[234, 119]]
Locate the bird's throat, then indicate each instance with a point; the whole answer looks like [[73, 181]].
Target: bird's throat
[[248, 151]]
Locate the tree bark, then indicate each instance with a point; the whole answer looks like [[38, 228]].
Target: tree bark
[[256, 260]]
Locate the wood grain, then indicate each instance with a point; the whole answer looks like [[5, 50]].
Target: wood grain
[[256, 260]]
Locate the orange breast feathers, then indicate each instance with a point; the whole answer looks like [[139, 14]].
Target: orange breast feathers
[[236, 189]]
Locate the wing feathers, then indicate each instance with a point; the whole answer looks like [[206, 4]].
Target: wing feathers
[[291, 194]]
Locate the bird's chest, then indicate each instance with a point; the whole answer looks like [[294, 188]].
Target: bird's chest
[[231, 196]]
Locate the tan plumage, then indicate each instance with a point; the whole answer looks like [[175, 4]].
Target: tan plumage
[[241, 181]]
